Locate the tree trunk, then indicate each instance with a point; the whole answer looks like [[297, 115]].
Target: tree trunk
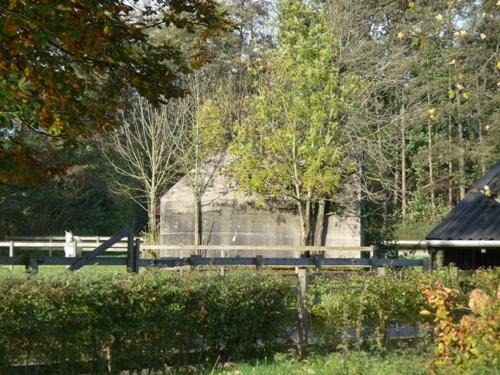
[[308, 220], [198, 228], [395, 197], [429, 159], [480, 128], [403, 163], [461, 143], [450, 165], [152, 222], [302, 220], [320, 224]]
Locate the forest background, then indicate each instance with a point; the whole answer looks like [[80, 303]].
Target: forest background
[[403, 93]]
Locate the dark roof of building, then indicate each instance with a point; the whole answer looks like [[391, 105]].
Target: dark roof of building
[[477, 216]]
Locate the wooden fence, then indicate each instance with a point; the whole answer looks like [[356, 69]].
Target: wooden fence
[[183, 250], [226, 256], [195, 260]]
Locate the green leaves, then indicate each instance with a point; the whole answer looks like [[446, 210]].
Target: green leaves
[[80, 58], [292, 131]]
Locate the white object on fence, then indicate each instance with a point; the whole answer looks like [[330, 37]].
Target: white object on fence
[[71, 248]]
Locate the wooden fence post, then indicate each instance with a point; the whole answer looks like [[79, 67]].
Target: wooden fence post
[[34, 266], [374, 264], [130, 249], [426, 264], [318, 261], [303, 276], [136, 255], [11, 253], [222, 255], [259, 262]]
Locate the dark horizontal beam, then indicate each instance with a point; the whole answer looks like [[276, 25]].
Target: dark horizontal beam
[[234, 261]]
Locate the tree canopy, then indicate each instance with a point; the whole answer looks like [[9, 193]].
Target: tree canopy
[[290, 144], [65, 66]]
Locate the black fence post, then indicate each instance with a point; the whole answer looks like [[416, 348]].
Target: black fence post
[[130, 249], [34, 266], [137, 252]]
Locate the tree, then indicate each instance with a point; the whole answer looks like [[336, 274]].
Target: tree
[[65, 65], [144, 150], [80, 199], [206, 142], [289, 146], [423, 126]]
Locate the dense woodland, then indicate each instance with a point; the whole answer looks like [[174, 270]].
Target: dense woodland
[[306, 97]]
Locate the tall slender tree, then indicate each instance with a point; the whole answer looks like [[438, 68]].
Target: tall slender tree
[[290, 146]]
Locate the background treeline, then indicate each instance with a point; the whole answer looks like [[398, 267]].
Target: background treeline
[[403, 93]]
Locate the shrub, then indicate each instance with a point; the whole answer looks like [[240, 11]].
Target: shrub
[[466, 337], [366, 304], [74, 322]]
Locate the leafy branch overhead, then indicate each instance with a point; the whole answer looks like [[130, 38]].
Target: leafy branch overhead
[[65, 65]]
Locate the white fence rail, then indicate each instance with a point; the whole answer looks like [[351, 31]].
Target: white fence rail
[[122, 246]]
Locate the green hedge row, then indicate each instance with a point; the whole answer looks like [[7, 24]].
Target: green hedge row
[[157, 319], [366, 305]]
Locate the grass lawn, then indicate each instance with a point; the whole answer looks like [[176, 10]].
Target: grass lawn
[[353, 363]]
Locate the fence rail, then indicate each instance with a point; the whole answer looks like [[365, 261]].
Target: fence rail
[[258, 261], [59, 238], [220, 255], [121, 246]]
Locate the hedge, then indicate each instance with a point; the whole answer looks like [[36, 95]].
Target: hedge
[[75, 323], [365, 306]]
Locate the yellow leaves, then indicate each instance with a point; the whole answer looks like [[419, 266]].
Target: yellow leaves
[[56, 127], [401, 35], [425, 313], [27, 71], [479, 301], [451, 94], [106, 30], [460, 33], [498, 65], [12, 4], [466, 95], [432, 113]]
